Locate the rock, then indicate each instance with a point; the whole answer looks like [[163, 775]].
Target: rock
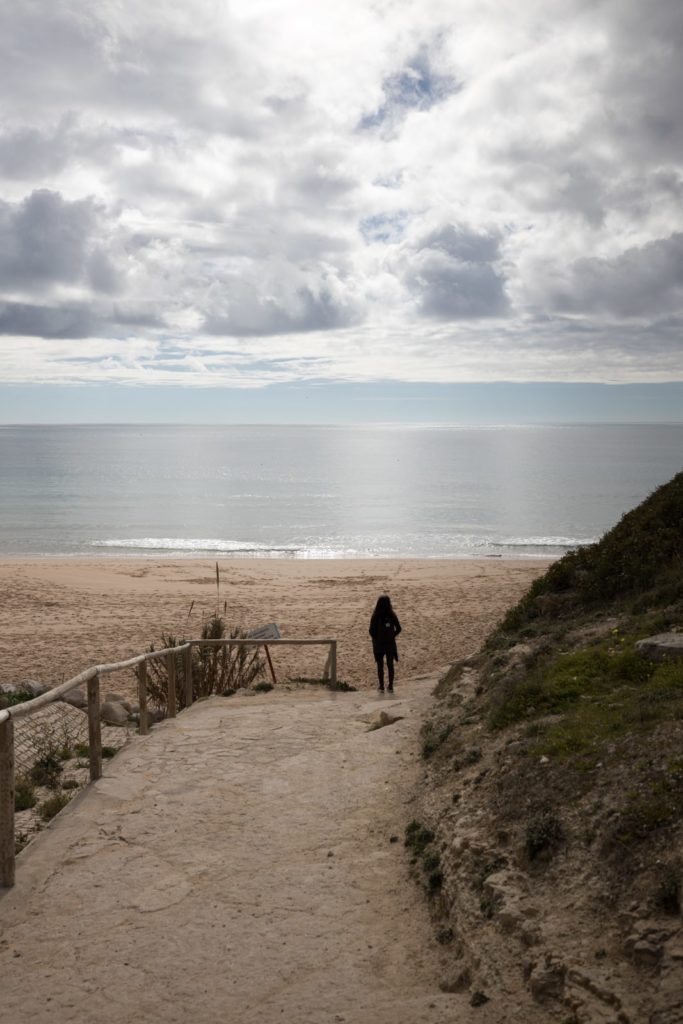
[[661, 647], [457, 982], [547, 980], [76, 698], [25, 686], [645, 953], [115, 698], [113, 714]]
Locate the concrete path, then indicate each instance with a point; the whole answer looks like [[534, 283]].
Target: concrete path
[[234, 866]]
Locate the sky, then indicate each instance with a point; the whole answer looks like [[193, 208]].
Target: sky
[[274, 209]]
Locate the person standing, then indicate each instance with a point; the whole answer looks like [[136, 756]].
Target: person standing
[[384, 628]]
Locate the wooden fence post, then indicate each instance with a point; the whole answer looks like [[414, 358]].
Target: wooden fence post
[[94, 728], [188, 677], [333, 664], [171, 699], [142, 698], [7, 803]]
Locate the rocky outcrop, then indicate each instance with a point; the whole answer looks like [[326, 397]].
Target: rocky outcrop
[[661, 647]]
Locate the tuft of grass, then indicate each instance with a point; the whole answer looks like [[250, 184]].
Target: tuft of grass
[[24, 794], [418, 837], [10, 700], [215, 670], [263, 687], [70, 784], [650, 808], [53, 805], [544, 833], [83, 750], [340, 685], [431, 861], [434, 735], [602, 693], [47, 770], [667, 896]]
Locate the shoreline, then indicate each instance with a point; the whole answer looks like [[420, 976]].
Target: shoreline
[[60, 615]]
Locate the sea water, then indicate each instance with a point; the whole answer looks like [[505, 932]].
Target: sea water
[[324, 491]]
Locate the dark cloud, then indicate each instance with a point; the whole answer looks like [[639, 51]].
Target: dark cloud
[[29, 153], [644, 78], [71, 320], [453, 275], [641, 282], [47, 240]]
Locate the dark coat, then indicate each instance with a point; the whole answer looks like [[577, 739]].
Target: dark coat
[[384, 639]]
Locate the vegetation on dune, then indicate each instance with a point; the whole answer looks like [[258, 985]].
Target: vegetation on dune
[[215, 669], [638, 564], [602, 689]]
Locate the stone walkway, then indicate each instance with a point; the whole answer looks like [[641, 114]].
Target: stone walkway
[[235, 866]]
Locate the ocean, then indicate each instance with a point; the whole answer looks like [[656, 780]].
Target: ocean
[[324, 491]]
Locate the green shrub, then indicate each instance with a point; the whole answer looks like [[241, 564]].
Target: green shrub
[[215, 669], [667, 897], [10, 700], [53, 805], [431, 861], [47, 770], [543, 833], [263, 687], [418, 837], [434, 735], [24, 794]]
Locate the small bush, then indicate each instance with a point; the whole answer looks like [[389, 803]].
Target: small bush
[[24, 794], [543, 833], [263, 687], [53, 805], [434, 881], [215, 670], [418, 837], [70, 784], [10, 700], [82, 750], [668, 893], [445, 936], [434, 735], [46, 770], [431, 861], [340, 685]]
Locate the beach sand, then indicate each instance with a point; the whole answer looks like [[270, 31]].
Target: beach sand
[[59, 616]]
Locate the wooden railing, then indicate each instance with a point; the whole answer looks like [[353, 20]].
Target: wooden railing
[[91, 678]]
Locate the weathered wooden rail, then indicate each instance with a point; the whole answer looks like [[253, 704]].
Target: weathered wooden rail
[[91, 678]]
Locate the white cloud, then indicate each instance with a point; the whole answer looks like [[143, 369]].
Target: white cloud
[[435, 191]]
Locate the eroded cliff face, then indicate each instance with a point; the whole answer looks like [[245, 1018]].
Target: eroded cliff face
[[552, 799], [540, 899]]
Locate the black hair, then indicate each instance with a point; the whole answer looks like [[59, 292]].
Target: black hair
[[383, 606]]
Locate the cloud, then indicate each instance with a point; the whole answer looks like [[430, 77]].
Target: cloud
[[417, 85], [453, 274], [280, 300], [641, 282], [249, 192], [46, 240]]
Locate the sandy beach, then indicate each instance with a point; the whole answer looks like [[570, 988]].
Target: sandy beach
[[58, 616]]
